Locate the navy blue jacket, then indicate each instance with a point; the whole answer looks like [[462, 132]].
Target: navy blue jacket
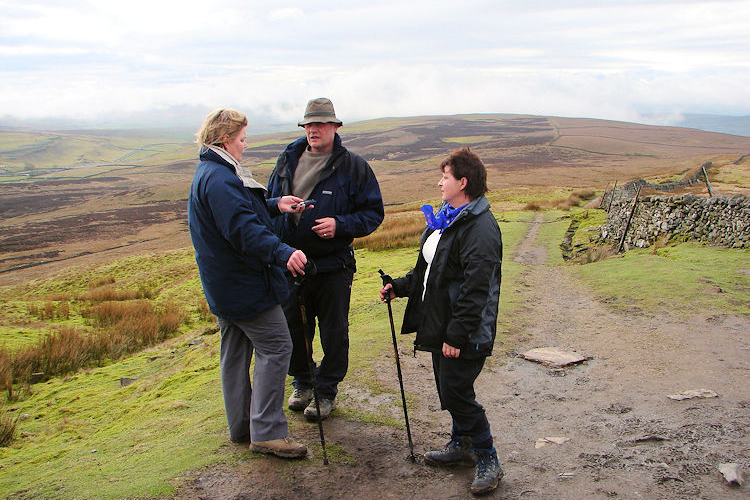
[[238, 254], [463, 288], [347, 190]]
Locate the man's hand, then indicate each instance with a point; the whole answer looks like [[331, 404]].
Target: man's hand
[[450, 351], [325, 227], [296, 263]]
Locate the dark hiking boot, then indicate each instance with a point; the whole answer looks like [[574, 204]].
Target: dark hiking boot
[[456, 452], [488, 473], [299, 399], [326, 407]]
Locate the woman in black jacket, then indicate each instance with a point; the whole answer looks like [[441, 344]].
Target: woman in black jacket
[[453, 294]]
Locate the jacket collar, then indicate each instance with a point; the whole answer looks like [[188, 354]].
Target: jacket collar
[[294, 150], [221, 156], [472, 209]]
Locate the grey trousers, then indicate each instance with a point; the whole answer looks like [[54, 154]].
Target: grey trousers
[[258, 413]]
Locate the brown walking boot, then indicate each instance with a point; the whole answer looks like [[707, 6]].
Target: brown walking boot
[[283, 447]]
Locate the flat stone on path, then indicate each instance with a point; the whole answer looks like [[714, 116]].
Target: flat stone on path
[[553, 356], [732, 473], [697, 393], [547, 440]]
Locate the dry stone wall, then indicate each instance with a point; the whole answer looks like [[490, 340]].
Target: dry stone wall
[[721, 221]]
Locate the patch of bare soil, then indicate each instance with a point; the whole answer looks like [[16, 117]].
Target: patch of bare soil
[[624, 438]]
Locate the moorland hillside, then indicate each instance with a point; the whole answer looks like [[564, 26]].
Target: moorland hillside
[[103, 310], [93, 195]]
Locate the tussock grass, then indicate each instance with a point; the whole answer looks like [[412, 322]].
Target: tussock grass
[[394, 232], [8, 426], [123, 328], [50, 310], [596, 254], [109, 292]]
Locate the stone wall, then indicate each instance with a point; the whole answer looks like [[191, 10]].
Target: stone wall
[[720, 221], [630, 188]]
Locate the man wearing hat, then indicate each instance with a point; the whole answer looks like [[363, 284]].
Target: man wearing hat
[[347, 205]]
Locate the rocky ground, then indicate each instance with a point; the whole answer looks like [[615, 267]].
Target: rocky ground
[[615, 432]]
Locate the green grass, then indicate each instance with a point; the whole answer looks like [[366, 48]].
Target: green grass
[[687, 278], [683, 277], [84, 436], [513, 226], [551, 233], [33, 153]]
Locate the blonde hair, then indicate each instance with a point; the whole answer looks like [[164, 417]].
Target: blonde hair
[[220, 123]]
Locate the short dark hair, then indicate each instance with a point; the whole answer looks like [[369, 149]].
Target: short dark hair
[[465, 163]]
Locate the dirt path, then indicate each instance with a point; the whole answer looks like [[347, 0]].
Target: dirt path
[[626, 439]]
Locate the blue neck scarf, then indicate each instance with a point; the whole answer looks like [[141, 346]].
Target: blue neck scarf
[[442, 219]]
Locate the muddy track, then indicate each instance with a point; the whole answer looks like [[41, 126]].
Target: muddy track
[[625, 438]]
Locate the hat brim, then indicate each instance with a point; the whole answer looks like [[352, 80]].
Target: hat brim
[[320, 119]]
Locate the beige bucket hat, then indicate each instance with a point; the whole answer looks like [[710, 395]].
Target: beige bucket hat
[[319, 110]]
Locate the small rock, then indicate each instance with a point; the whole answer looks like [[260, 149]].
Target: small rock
[[547, 440], [696, 393], [126, 381], [196, 341], [732, 473]]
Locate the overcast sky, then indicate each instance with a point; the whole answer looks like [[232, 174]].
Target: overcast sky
[[614, 59]]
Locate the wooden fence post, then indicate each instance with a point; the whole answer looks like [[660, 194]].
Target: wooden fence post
[[630, 218], [604, 195], [611, 198], [708, 184]]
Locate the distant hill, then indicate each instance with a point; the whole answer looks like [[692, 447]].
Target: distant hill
[[736, 125], [78, 194]]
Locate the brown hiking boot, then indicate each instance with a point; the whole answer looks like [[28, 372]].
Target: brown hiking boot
[[284, 447]]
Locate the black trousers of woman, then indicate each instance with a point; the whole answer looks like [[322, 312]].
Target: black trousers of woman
[[455, 384]]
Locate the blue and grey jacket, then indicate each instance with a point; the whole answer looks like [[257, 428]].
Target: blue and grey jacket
[[463, 287], [347, 190], [239, 256]]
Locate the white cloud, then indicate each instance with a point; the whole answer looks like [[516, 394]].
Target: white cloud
[[286, 13], [581, 58]]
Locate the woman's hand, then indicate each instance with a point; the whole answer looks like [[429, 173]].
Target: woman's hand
[[387, 291], [286, 202], [450, 351], [296, 263]]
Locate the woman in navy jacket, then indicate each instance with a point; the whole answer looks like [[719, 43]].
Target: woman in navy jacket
[[241, 261], [453, 295]]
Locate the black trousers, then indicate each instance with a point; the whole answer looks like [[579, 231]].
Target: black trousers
[[327, 297], [455, 378]]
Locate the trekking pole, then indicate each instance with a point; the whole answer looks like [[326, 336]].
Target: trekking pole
[[387, 279], [310, 270]]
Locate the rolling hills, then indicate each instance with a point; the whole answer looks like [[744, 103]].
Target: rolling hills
[[83, 196]]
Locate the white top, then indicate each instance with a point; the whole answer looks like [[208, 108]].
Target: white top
[[428, 252]]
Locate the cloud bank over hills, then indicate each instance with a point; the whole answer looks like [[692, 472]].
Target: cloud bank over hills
[[144, 63]]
